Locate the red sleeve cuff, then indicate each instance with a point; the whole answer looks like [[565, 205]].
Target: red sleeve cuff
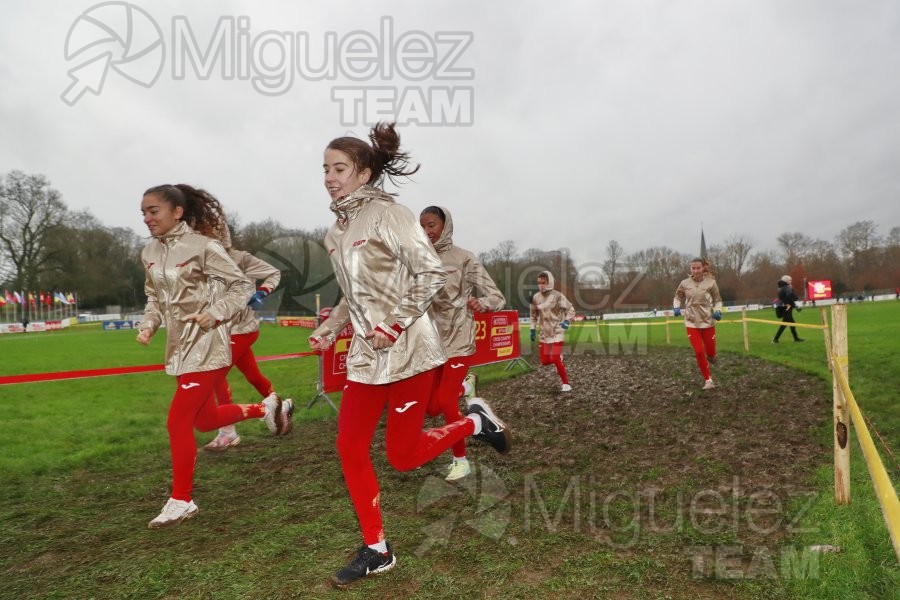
[[393, 332]]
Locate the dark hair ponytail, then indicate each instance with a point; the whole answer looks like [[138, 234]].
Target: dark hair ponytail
[[382, 157], [201, 210]]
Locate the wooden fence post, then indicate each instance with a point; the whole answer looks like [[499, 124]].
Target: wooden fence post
[[841, 410], [746, 329], [825, 332], [668, 334]]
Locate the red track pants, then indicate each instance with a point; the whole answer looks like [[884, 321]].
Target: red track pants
[[408, 445], [193, 407], [445, 397], [552, 354], [243, 358], [703, 341]]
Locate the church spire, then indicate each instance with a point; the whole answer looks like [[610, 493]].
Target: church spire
[[703, 253]]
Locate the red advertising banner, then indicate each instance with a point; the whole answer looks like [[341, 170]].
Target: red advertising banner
[[496, 340], [307, 322], [334, 361], [818, 290]]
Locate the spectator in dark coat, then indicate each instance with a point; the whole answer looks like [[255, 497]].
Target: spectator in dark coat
[[787, 304]]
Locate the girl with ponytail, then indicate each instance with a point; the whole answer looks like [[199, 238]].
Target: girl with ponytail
[[194, 288], [389, 273]]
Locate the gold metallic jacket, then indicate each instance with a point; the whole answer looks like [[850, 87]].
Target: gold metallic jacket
[[389, 274], [465, 277], [190, 273], [548, 310], [698, 300], [247, 321]]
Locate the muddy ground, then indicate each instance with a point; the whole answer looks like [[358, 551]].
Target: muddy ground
[[688, 493]]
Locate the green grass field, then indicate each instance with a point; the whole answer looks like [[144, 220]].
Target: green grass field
[[84, 465]]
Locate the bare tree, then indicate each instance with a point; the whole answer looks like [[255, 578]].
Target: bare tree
[[505, 253], [737, 251], [794, 246], [857, 239], [30, 210], [660, 268], [719, 259], [615, 253], [893, 238]]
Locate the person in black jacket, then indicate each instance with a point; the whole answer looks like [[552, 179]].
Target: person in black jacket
[[787, 304]]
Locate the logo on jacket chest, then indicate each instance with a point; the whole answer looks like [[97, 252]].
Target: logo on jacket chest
[[358, 243]]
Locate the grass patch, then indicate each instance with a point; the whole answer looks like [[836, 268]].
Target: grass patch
[[84, 466]]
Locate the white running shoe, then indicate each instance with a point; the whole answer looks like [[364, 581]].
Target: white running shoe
[[709, 384], [173, 513], [458, 469], [279, 414], [223, 441], [565, 388], [287, 416]]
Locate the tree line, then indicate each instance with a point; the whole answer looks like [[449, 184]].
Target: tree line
[[45, 246], [858, 262]]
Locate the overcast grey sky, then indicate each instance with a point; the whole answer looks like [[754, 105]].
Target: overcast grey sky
[[633, 120]]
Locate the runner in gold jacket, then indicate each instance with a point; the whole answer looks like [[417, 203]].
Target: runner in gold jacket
[[194, 288], [469, 289]]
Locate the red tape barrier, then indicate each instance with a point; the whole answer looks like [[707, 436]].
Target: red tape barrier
[[62, 375]]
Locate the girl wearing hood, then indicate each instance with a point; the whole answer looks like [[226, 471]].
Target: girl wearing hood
[[194, 287], [551, 313], [244, 333], [469, 289], [699, 295], [389, 274]]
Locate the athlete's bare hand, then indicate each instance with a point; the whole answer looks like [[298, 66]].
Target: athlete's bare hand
[[204, 319], [379, 340]]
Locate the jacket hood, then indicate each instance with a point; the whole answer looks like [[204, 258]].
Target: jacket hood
[[782, 284], [550, 281], [445, 242], [346, 207]]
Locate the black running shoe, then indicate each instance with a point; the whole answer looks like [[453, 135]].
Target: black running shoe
[[367, 562], [493, 431]]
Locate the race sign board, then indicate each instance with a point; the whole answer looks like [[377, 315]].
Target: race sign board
[[496, 340]]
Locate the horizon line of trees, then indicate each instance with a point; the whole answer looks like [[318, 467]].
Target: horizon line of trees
[[44, 245]]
